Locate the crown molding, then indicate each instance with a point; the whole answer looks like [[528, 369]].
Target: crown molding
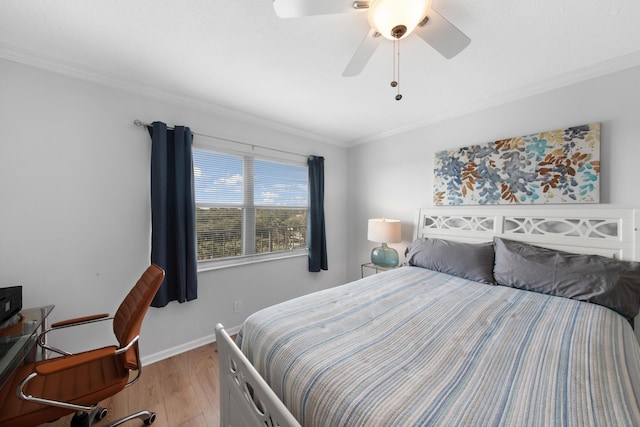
[[121, 83], [598, 70]]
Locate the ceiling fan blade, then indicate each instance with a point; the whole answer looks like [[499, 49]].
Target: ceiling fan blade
[[442, 35], [364, 51], [299, 8]]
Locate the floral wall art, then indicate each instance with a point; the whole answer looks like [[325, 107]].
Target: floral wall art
[[560, 166]]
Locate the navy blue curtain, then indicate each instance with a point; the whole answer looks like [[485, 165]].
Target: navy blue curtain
[[173, 231], [316, 235]]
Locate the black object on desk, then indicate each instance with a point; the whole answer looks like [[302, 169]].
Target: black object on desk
[[10, 302]]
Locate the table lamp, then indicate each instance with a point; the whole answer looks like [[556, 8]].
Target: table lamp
[[384, 231]]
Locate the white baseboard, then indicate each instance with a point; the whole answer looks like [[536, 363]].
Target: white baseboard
[[173, 351]]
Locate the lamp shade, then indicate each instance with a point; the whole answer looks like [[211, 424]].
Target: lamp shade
[[384, 230], [386, 16]]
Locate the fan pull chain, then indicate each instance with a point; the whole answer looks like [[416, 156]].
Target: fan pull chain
[[396, 68], [394, 83], [398, 96]]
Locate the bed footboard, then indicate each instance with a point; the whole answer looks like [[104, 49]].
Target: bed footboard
[[245, 398]]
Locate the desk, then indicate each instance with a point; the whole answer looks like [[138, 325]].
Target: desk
[[17, 341]]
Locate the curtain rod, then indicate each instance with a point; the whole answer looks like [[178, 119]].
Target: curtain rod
[[143, 124]]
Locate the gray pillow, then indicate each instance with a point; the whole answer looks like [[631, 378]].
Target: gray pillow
[[593, 278], [473, 261]]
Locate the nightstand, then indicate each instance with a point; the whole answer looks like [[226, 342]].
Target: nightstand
[[376, 268]]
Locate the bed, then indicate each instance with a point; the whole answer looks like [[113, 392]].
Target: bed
[[502, 317]]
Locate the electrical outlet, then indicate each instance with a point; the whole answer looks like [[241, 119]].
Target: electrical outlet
[[237, 306]]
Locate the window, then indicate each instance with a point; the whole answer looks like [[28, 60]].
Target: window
[[248, 206]]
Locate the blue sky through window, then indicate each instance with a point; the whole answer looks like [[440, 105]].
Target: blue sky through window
[[279, 184], [219, 179]]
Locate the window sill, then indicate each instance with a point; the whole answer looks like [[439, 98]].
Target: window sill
[[248, 260]]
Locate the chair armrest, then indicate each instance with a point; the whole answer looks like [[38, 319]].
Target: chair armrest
[[61, 363], [79, 320]]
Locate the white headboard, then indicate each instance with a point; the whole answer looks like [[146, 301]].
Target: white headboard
[[585, 229]]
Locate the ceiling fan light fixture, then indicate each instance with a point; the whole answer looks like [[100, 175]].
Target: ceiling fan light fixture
[[396, 19]]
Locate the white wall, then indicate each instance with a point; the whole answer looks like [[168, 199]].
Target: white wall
[[75, 216], [393, 177]]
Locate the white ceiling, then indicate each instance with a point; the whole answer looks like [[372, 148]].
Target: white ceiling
[[237, 56]]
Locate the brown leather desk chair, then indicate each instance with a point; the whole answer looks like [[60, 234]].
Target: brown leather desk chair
[[53, 388]]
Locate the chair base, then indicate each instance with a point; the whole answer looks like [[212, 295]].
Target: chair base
[[147, 417], [84, 419]]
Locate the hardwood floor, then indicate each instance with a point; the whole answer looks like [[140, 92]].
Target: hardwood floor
[[183, 391]]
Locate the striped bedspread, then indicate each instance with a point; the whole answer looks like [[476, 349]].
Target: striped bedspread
[[412, 347]]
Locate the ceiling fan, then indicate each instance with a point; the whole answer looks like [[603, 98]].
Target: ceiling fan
[[390, 19]]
